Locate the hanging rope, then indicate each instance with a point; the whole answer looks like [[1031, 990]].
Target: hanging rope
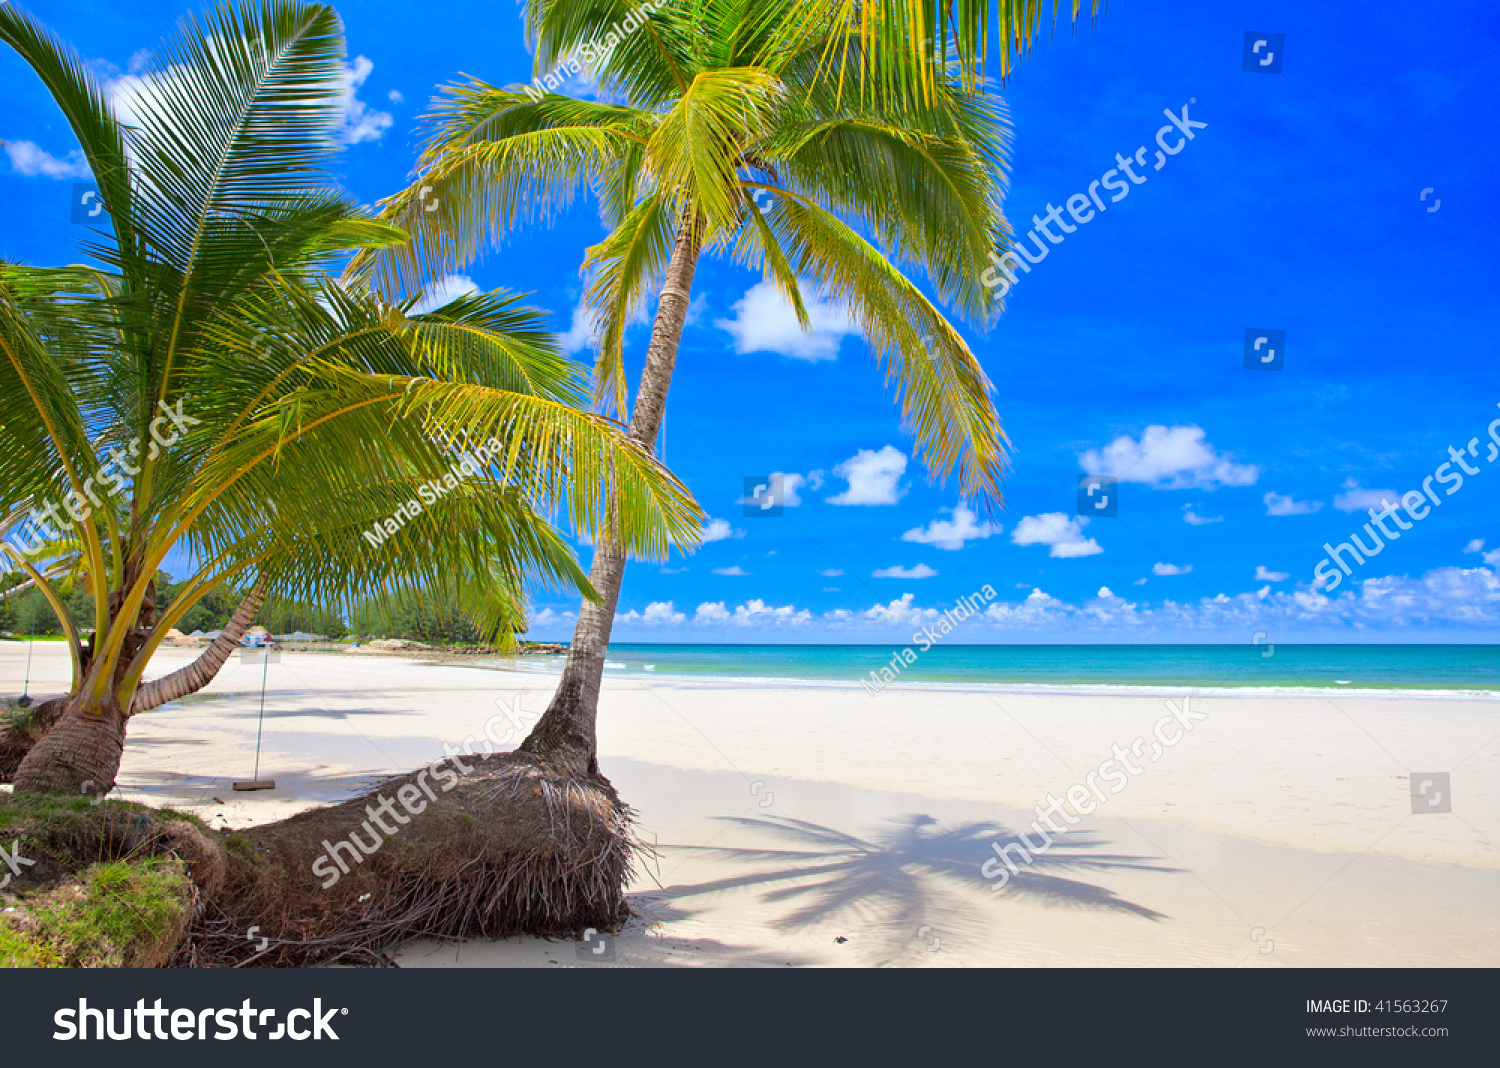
[[260, 722], [25, 698], [256, 782]]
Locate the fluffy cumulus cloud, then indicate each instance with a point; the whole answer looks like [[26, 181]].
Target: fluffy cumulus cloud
[[1265, 574], [1194, 519], [1356, 498], [765, 322], [447, 288], [1062, 532], [1286, 504], [757, 613], [736, 571], [874, 477], [921, 571], [781, 488], [1475, 546], [1449, 597], [953, 533], [550, 617], [1170, 569], [712, 612], [583, 331], [30, 160], [360, 122], [1175, 457], [657, 613], [719, 530]]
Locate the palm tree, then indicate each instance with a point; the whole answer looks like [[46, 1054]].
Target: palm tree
[[899, 39], [723, 103], [206, 387]]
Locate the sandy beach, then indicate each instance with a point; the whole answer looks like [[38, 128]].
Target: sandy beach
[[815, 824]]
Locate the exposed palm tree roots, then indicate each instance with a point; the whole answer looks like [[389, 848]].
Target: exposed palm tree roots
[[515, 847]]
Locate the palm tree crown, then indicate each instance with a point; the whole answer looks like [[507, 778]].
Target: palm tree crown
[[207, 387]]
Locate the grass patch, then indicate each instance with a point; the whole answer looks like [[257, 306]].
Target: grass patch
[[123, 913]]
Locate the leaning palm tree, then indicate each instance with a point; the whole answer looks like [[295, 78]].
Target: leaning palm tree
[[729, 138], [206, 387]]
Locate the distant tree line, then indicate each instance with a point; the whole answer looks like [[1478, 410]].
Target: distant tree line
[[422, 620]]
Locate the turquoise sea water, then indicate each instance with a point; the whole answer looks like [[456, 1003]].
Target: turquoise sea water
[[1421, 667]]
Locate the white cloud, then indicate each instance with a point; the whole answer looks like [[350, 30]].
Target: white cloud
[[1475, 546], [447, 288], [583, 330], [735, 570], [832, 572], [1139, 582], [359, 121], [1170, 458], [765, 322], [1170, 569], [784, 485], [720, 529], [548, 617], [873, 477], [758, 614], [1492, 557], [31, 161], [1064, 533], [1193, 518], [951, 534], [755, 613], [1263, 574], [394, 96], [581, 333], [921, 571], [1284, 504], [1355, 499], [899, 611], [657, 613]]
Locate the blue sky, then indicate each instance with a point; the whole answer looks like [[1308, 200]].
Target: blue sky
[[1299, 207]]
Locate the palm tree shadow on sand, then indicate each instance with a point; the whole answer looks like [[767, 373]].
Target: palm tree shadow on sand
[[910, 877]]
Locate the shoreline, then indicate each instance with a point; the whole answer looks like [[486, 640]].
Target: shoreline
[[1284, 812]]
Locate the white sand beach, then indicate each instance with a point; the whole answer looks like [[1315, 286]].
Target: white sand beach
[[817, 825]]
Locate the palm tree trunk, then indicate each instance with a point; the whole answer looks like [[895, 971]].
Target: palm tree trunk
[[54, 767], [80, 753], [566, 733], [198, 674]]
